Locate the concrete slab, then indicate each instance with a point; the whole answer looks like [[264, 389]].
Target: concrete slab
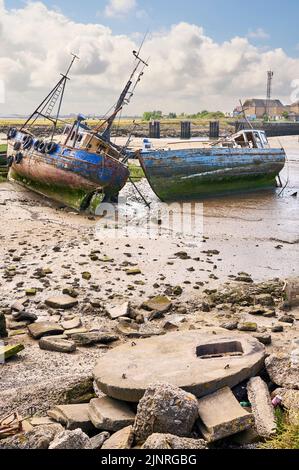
[[72, 416], [221, 415], [262, 408], [63, 302], [196, 361], [122, 439], [108, 414]]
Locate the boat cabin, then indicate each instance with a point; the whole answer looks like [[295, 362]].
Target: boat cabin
[[249, 138]]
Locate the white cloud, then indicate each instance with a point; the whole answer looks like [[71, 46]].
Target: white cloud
[[119, 8], [259, 33], [188, 70]]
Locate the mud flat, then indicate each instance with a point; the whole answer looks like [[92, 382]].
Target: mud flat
[[235, 243]]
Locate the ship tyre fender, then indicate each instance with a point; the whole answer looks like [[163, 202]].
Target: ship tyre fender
[[10, 161], [18, 158], [27, 143], [50, 147], [17, 146], [41, 147], [12, 132]]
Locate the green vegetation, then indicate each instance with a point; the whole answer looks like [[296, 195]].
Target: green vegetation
[[206, 115], [150, 115], [287, 436], [136, 172], [3, 148]]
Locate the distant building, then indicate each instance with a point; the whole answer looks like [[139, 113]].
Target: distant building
[[258, 108]]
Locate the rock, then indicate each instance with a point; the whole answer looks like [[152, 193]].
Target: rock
[[24, 316], [232, 325], [262, 408], [277, 329], [292, 293], [169, 441], [57, 344], [160, 304], [81, 392], [3, 330], [250, 436], [118, 311], [39, 438], [165, 408], [108, 414], [91, 338], [6, 352], [122, 439], [281, 371], [221, 415], [133, 272], [265, 300], [41, 421], [70, 292], [247, 326], [63, 302], [71, 440], [290, 401], [182, 255], [72, 416], [243, 277], [179, 358], [38, 330], [31, 292], [263, 338], [98, 440], [287, 319], [71, 324]]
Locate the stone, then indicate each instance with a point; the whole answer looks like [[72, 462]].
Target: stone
[[277, 329], [265, 300], [232, 325], [38, 330], [290, 401], [63, 302], [133, 272], [243, 277], [93, 337], [41, 421], [70, 292], [86, 276], [281, 372], [222, 416], [57, 344], [247, 326], [71, 324], [250, 436], [39, 438], [72, 416], [3, 330], [169, 441], [31, 292], [287, 319], [263, 338], [118, 311], [122, 439], [98, 440], [165, 409], [291, 292], [262, 408], [24, 316], [182, 359], [159, 304], [76, 439], [6, 352], [108, 414]]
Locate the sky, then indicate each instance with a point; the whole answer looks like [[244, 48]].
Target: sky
[[203, 54]]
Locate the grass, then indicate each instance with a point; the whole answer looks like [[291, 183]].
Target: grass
[[3, 148], [287, 436], [136, 172]]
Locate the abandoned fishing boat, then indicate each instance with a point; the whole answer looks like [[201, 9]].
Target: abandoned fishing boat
[[81, 168], [243, 162]]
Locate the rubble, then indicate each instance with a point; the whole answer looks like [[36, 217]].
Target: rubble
[[72, 416], [281, 372], [39, 438], [165, 409], [3, 330], [6, 352], [170, 441], [159, 304], [119, 311], [76, 439], [38, 330], [63, 302], [98, 440], [108, 414], [221, 415], [262, 408], [122, 439], [71, 324], [57, 344], [93, 337], [290, 401]]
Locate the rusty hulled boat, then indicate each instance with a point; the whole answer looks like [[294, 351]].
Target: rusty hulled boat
[[244, 162], [82, 167]]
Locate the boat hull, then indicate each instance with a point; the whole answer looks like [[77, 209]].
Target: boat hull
[[69, 176], [179, 175]]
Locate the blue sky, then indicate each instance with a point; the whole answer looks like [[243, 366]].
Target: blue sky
[[276, 20]]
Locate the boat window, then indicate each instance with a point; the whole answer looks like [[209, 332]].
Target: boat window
[[241, 141], [264, 138], [251, 140], [259, 143], [73, 135]]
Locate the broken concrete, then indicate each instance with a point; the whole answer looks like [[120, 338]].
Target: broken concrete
[[262, 408], [159, 304], [118, 311], [63, 302], [281, 372], [292, 293], [169, 441], [165, 409], [221, 415], [6, 352], [39, 438], [93, 337], [290, 401], [98, 440], [184, 359], [38, 330], [108, 414], [122, 439], [72, 416], [71, 324], [70, 440], [3, 330], [57, 344]]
